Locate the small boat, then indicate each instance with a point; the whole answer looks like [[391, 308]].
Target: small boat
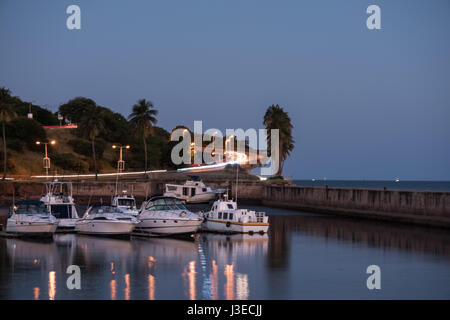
[[60, 203], [167, 216], [192, 192], [224, 216], [103, 219], [125, 204], [31, 218]]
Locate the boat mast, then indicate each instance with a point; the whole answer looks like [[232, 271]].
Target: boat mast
[[237, 179]]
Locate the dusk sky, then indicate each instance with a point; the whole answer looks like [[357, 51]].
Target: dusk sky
[[365, 104]]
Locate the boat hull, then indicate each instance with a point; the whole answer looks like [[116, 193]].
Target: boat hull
[[67, 224], [31, 228], [104, 227], [168, 226], [234, 227]]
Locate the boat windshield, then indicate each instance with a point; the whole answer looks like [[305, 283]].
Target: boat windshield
[[126, 202], [30, 208], [103, 209], [165, 204]]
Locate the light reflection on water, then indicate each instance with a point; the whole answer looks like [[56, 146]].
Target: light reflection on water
[[304, 256]]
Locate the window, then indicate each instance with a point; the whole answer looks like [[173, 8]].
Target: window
[[204, 189], [225, 215], [126, 202], [231, 215], [192, 192], [185, 191], [220, 215], [230, 206]]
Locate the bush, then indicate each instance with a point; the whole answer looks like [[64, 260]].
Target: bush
[[21, 132], [69, 162], [84, 147]]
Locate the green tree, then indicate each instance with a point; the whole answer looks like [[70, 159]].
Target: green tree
[[92, 124], [6, 115], [142, 119], [75, 109], [277, 118]]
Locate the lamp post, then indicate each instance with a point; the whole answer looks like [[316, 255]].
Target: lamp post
[[30, 114], [46, 158], [120, 163]]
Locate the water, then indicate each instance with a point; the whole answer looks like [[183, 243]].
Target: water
[[378, 184], [304, 256]]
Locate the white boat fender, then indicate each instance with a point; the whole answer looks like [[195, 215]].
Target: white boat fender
[[228, 224], [182, 214]]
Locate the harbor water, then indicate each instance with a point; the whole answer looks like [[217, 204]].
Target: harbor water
[[304, 256]]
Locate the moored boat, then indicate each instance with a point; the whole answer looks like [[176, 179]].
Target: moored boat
[[225, 217], [31, 218], [105, 220], [192, 192], [60, 203], [125, 204], [167, 216]]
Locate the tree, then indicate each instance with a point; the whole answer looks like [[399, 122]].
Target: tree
[[277, 118], [75, 108], [91, 125], [142, 119], [6, 115]]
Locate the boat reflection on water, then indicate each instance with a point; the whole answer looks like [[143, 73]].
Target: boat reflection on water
[[302, 256], [229, 261]]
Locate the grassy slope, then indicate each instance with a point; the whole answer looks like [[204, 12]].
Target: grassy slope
[[30, 163]]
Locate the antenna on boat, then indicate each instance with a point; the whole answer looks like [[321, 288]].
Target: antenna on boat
[[14, 194], [117, 178], [89, 201], [237, 179], [146, 191]]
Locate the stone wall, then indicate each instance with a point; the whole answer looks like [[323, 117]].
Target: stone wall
[[420, 207]]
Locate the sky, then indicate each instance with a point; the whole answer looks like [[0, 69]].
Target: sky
[[365, 104]]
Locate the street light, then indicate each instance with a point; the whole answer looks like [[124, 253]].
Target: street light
[[120, 163], [30, 115], [46, 158]]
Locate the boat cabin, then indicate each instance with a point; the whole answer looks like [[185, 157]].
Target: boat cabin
[[226, 210]]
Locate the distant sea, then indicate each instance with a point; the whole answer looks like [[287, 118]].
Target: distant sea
[[378, 184]]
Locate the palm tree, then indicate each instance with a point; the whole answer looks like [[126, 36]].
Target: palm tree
[[277, 118], [142, 119], [92, 124], [6, 114]]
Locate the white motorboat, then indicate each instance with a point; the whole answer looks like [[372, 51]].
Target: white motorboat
[[167, 216], [31, 218], [192, 192], [125, 204], [224, 216], [105, 220], [59, 201]]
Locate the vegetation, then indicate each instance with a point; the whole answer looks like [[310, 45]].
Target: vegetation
[[141, 120], [91, 125], [6, 114], [86, 149], [277, 118], [89, 147]]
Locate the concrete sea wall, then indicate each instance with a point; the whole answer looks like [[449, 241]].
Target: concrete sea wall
[[419, 207]]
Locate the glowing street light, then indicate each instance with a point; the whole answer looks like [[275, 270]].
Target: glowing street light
[[121, 162], [46, 158]]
